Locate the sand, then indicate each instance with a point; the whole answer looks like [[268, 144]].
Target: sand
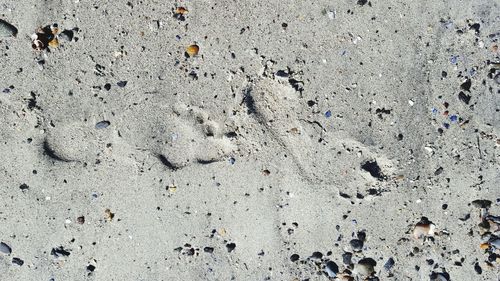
[[249, 140]]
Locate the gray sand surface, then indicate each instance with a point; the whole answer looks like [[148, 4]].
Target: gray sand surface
[[297, 140]]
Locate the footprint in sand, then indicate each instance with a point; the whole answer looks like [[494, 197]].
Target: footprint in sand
[[76, 141], [177, 135], [278, 111]]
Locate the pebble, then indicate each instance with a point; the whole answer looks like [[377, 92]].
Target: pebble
[[7, 29], [356, 245], [230, 247], [67, 35], [347, 258], [441, 276], [481, 203], [365, 267], [121, 84], [331, 268], [4, 248], [389, 264], [294, 257], [316, 256], [17, 261], [495, 243], [102, 124]]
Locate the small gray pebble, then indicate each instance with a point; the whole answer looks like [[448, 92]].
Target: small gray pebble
[[357, 245], [389, 264], [102, 124], [66, 35], [331, 268], [6, 249]]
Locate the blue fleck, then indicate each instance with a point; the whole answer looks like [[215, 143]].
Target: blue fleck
[[232, 160], [434, 111], [6, 90], [453, 118], [343, 53], [446, 125], [454, 59], [328, 114]]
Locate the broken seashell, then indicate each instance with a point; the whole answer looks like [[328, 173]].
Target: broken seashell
[[423, 230], [192, 50]]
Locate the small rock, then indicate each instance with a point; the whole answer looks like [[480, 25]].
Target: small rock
[[90, 268], [67, 35], [294, 257], [121, 84], [4, 248], [464, 98], [316, 256], [347, 258], [102, 124], [365, 267], [481, 203], [230, 247], [80, 220], [439, 276], [389, 264], [59, 252], [356, 245], [24, 187], [495, 242], [478, 268], [208, 250], [17, 261], [331, 268]]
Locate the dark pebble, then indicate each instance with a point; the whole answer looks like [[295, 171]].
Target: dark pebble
[[478, 268], [356, 245], [294, 257], [466, 85], [481, 203], [17, 261], [361, 235], [90, 268], [230, 247], [24, 187], [59, 252], [464, 98], [121, 84], [316, 256], [347, 258], [331, 268], [368, 261], [389, 264], [373, 168], [208, 250]]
